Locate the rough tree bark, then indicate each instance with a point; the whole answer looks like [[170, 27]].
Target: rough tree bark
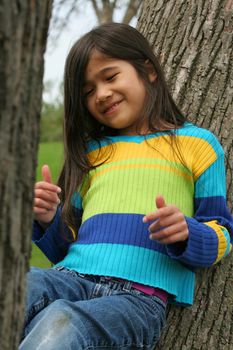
[[23, 35], [194, 40]]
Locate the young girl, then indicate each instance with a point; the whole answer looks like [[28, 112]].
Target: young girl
[[142, 204]]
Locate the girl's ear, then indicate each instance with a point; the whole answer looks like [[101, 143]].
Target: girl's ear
[[152, 75]]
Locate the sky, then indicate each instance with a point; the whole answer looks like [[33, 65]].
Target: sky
[[57, 51]]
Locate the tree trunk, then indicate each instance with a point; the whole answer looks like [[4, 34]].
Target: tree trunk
[[194, 41], [23, 35]]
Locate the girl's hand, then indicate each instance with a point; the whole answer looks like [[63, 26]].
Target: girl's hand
[[46, 198], [169, 224]]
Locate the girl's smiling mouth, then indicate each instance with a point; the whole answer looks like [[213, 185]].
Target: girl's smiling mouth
[[112, 107]]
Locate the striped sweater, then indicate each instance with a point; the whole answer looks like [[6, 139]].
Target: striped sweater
[[130, 172]]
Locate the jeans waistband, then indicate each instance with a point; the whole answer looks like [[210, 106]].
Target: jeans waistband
[[148, 290], [127, 285]]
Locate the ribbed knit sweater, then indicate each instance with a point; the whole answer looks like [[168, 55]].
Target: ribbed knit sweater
[[130, 172]]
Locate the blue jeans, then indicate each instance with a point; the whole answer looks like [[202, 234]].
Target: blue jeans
[[68, 311]]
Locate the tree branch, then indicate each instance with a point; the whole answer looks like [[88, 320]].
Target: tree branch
[[96, 9], [131, 10]]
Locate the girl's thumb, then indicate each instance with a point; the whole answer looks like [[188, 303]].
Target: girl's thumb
[[46, 174], [160, 202]]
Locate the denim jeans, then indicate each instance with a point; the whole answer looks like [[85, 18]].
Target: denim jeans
[[69, 311]]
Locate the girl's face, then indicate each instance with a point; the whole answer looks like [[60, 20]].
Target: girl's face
[[114, 93]]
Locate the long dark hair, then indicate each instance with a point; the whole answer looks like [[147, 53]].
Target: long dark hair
[[118, 41]]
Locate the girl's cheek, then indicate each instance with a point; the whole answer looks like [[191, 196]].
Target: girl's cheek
[[88, 104], [91, 106]]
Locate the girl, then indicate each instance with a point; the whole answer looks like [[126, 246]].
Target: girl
[[142, 204]]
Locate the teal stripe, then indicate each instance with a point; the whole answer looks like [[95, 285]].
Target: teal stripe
[[189, 130], [93, 145], [135, 264], [76, 200], [227, 236], [212, 182]]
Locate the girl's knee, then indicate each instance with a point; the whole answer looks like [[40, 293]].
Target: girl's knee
[[60, 309], [50, 329]]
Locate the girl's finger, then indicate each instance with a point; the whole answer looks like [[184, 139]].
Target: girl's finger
[[46, 173], [47, 186], [165, 233], [40, 203], [37, 210], [178, 237], [47, 195], [166, 221], [160, 213], [160, 202]]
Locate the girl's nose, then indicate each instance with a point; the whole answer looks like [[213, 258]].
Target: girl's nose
[[103, 94]]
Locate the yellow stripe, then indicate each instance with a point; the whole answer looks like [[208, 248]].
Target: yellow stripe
[[222, 242], [124, 166], [200, 156]]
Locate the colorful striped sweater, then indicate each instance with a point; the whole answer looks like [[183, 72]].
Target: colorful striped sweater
[[113, 240]]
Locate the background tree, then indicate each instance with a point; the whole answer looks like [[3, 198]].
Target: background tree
[[23, 34], [52, 116], [194, 40], [104, 10]]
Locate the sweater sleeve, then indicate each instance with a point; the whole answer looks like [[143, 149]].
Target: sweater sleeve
[[55, 241], [211, 228]]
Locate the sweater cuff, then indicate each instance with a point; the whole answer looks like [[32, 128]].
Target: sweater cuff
[[201, 247], [37, 231], [39, 228]]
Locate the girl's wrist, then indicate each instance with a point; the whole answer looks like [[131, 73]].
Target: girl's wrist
[[44, 225]]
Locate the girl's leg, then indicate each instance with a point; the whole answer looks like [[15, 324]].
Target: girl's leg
[[44, 286], [122, 320]]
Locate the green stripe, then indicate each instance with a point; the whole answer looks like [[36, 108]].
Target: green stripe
[[134, 191]]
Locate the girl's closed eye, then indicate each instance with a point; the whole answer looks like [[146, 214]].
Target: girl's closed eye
[[111, 77], [88, 92]]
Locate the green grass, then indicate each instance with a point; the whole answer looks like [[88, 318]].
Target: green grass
[[38, 259], [51, 154]]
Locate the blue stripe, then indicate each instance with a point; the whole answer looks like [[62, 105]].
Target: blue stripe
[[119, 229], [213, 208]]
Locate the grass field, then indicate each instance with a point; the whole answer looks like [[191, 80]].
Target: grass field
[[51, 154]]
